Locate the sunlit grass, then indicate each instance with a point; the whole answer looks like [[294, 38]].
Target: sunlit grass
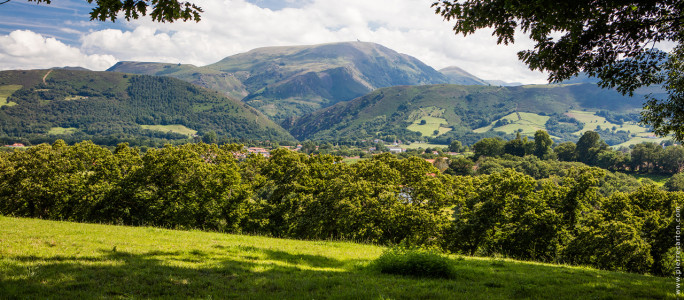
[[62, 260], [431, 124], [422, 145], [173, 128], [62, 130], [5, 92], [657, 179], [529, 123]]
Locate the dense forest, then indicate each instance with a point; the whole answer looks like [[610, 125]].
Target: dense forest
[[565, 212]]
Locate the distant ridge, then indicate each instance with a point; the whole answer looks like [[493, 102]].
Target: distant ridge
[[286, 82], [459, 76], [503, 83], [71, 68], [456, 111]]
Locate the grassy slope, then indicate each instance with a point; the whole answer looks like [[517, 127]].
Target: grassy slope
[[592, 122], [173, 128], [528, 122], [6, 91], [47, 259], [465, 108]]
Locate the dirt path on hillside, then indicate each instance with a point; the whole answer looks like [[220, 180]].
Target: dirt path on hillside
[[46, 75]]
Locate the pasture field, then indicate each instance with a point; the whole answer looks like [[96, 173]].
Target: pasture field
[[62, 130], [528, 122], [592, 122], [644, 138], [6, 91], [62, 260], [173, 128], [431, 124], [421, 145]]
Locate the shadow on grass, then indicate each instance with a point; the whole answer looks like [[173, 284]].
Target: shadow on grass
[[277, 274], [156, 274]]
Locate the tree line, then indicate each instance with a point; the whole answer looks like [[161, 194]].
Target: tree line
[[590, 149], [384, 199]]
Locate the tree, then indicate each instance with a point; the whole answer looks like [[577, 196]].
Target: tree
[[542, 144], [611, 40], [455, 146], [666, 115], [566, 151], [210, 137], [460, 166], [488, 147], [675, 183], [589, 146], [161, 10], [515, 146]]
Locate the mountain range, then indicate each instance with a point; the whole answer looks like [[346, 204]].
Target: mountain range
[[288, 82], [444, 112], [338, 91]]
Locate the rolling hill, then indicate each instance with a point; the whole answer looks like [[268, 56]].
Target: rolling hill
[[459, 76], [442, 112], [287, 82], [109, 107]]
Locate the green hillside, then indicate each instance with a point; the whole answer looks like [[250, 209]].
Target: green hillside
[[286, 82], [62, 260], [202, 76], [110, 107], [469, 113]]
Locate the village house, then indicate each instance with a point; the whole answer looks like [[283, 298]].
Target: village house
[[16, 145], [396, 149], [257, 150]]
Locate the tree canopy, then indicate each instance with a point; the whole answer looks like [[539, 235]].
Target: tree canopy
[[160, 10], [611, 40]]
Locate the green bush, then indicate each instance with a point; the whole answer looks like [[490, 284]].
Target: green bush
[[414, 262]]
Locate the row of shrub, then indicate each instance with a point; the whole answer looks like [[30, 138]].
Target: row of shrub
[[382, 200]]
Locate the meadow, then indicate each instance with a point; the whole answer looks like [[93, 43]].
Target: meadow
[[171, 128], [529, 123], [6, 91], [63, 260]]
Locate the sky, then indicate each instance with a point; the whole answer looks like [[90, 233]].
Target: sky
[[38, 36]]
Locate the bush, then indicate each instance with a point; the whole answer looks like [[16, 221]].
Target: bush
[[414, 262]]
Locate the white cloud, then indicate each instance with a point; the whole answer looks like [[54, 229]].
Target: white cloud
[[232, 26], [23, 49]]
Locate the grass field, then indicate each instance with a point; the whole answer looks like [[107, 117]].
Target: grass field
[[173, 128], [659, 180], [528, 122], [62, 260], [62, 130], [351, 160], [641, 139], [422, 145], [6, 91], [431, 124]]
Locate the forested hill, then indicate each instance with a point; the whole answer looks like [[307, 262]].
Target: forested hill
[[107, 107], [210, 78], [468, 113], [286, 82]]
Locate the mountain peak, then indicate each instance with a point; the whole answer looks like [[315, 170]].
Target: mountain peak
[[457, 75]]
